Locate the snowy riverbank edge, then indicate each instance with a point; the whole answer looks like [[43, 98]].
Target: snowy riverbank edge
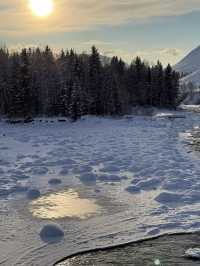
[[173, 245]]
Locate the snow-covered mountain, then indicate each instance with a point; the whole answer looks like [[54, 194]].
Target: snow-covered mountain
[[190, 66], [194, 77], [190, 62]]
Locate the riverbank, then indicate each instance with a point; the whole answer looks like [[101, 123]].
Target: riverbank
[[167, 250]]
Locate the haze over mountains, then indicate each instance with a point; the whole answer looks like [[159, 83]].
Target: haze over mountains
[[190, 67]]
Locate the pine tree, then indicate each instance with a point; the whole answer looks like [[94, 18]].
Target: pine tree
[[175, 91], [75, 107], [36, 82], [158, 93], [15, 92], [149, 101], [168, 87], [115, 97], [49, 82], [95, 82], [4, 97], [25, 84], [36, 63]]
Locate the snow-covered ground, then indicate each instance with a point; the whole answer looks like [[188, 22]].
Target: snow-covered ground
[[135, 176]]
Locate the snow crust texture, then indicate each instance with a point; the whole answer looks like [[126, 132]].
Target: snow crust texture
[[138, 170]]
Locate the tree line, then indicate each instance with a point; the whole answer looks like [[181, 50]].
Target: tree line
[[36, 82]]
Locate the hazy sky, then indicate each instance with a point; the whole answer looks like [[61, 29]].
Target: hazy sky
[[153, 29]]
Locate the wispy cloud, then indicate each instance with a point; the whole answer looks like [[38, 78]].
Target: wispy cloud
[[80, 14], [166, 55], [17, 23]]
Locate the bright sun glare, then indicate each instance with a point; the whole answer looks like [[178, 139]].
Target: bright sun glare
[[41, 8]]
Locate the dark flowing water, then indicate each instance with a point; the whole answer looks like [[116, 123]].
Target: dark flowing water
[[163, 251]]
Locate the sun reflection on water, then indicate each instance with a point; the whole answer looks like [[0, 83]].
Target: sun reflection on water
[[62, 205]]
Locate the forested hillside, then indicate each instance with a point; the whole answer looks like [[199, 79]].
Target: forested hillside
[[35, 82]]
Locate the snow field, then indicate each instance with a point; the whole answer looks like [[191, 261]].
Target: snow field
[[136, 169]]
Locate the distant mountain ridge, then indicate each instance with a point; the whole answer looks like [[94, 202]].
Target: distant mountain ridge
[[190, 67]]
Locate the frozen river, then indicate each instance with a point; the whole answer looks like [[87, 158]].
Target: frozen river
[[103, 181]]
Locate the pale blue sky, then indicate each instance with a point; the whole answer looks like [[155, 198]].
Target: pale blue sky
[[153, 29]]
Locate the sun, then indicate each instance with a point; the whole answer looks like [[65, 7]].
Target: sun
[[41, 8]]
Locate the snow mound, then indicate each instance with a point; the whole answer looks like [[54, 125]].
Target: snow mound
[[149, 184], [33, 194], [54, 181], [64, 171], [110, 178], [133, 189], [193, 253], [88, 179], [39, 170], [51, 233], [169, 198], [21, 176]]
